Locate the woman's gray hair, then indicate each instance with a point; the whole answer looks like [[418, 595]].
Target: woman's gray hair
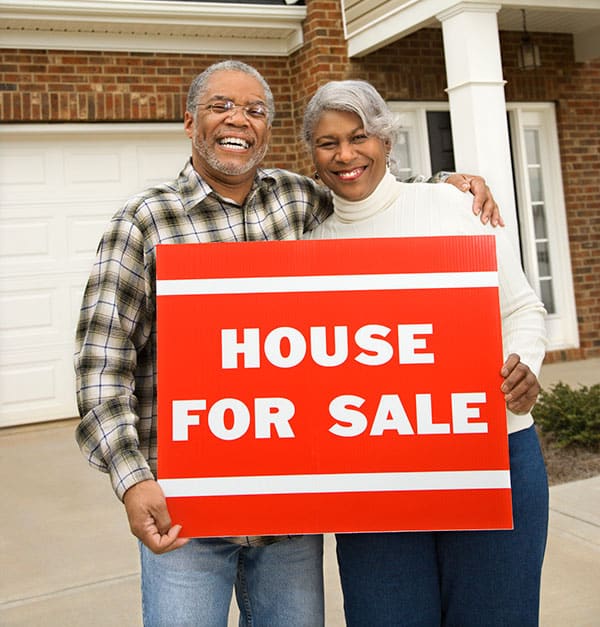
[[354, 96], [198, 86]]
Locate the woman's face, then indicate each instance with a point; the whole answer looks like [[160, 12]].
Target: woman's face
[[350, 162]]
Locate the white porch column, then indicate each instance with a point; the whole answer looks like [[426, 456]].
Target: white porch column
[[476, 96]]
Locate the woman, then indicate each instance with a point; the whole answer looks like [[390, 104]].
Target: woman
[[465, 578]]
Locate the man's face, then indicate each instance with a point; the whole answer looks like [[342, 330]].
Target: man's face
[[230, 143]]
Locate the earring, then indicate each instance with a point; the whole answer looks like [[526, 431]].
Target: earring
[[316, 176]]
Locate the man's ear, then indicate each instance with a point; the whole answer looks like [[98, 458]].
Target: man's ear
[[188, 124]]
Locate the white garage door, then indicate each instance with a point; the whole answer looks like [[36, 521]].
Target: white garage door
[[59, 185]]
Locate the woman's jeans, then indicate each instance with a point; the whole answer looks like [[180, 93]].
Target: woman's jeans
[[280, 584], [460, 578]]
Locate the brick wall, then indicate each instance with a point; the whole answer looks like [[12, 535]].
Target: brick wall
[[67, 86]]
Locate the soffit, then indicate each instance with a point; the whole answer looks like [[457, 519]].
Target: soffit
[[152, 26], [372, 24]]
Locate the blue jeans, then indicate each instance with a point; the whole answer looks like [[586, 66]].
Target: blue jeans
[[454, 579], [277, 584]]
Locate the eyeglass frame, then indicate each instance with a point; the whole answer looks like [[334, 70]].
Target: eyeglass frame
[[230, 108]]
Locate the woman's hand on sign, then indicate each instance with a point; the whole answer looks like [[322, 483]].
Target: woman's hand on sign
[[520, 387], [149, 518]]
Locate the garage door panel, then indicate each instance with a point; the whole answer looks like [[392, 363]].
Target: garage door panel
[[34, 381], [35, 386], [27, 173], [58, 191], [36, 311], [25, 312], [22, 167], [85, 168], [24, 238], [37, 245]]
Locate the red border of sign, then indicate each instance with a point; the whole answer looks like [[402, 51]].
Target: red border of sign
[[267, 514]]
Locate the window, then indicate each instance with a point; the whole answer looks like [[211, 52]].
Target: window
[[542, 218]]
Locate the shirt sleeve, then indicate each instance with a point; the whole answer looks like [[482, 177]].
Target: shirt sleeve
[[438, 177], [523, 314], [322, 206], [114, 324]]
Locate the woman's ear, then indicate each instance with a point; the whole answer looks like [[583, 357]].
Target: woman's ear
[[387, 145]]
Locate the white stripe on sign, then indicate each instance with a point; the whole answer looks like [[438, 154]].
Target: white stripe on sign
[[348, 482], [326, 283]]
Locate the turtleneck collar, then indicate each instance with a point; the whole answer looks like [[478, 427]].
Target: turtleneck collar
[[380, 199]]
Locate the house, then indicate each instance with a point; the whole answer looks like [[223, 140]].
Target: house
[[92, 100]]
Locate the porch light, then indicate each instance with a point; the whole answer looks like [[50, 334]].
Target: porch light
[[529, 53]]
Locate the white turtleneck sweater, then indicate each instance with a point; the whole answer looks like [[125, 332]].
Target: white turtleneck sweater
[[397, 209]]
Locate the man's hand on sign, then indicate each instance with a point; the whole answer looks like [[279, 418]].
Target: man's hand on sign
[[520, 386], [484, 204], [149, 518]]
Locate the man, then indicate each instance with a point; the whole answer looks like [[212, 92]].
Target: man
[[220, 195]]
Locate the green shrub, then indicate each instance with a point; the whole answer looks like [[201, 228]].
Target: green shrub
[[570, 417]]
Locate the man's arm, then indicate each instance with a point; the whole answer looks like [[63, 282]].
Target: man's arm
[[484, 204], [111, 328], [114, 326]]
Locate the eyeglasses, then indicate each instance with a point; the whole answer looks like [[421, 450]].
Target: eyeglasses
[[256, 111]]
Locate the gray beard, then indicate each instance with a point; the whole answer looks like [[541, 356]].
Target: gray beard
[[227, 168]]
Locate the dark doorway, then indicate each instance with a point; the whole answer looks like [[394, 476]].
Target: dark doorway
[[440, 141]]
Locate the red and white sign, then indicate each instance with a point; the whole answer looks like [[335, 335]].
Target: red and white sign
[[331, 386]]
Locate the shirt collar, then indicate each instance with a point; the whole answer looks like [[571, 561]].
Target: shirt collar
[[194, 189]]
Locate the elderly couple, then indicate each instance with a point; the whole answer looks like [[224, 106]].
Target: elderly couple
[[419, 578]]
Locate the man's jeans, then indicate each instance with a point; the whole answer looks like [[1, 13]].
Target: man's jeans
[[278, 585]]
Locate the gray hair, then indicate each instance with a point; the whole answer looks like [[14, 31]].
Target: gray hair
[[198, 86], [353, 96]]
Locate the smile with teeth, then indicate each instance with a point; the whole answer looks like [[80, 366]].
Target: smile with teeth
[[234, 143], [349, 175]]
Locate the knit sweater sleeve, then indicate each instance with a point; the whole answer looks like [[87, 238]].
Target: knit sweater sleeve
[[523, 327]]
